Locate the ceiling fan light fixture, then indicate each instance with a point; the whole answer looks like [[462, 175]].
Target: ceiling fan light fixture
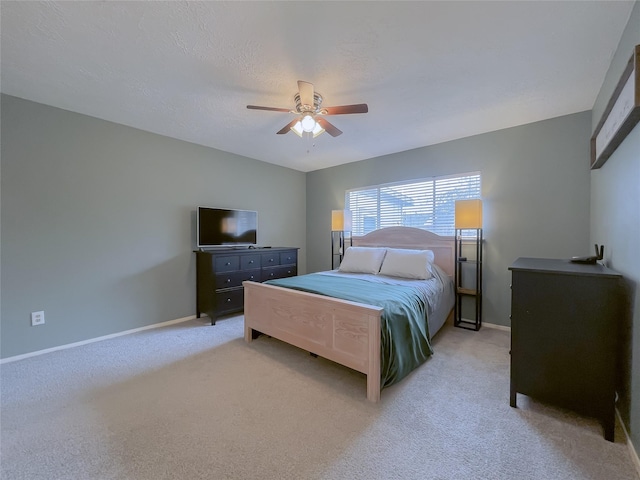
[[308, 123], [298, 130], [317, 130]]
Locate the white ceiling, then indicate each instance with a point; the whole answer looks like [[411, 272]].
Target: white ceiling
[[429, 71]]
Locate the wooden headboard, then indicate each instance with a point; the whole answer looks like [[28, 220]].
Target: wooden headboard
[[443, 248]]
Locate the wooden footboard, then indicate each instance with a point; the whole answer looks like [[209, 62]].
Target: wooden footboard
[[345, 332]]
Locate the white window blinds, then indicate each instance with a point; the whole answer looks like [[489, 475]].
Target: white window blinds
[[427, 203]]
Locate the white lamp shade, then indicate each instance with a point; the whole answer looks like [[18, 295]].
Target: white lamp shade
[[468, 213], [341, 220]]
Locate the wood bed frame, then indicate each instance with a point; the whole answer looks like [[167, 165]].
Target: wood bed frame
[[345, 332]]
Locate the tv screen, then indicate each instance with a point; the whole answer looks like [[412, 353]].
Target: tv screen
[[219, 226]]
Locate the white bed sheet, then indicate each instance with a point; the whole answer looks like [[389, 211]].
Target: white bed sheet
[[438, 292]]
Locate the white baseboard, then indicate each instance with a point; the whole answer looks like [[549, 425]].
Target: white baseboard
[[97, 339], [490, 325], [496, 326], [632, 451]]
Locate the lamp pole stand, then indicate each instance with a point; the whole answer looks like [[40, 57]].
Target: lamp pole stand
[[338, 246], [476, 292]]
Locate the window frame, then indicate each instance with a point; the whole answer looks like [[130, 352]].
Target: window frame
[[436, 195]]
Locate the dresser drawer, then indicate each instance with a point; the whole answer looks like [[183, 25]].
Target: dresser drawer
[[270, 259], [252, 275], [235, 279], [248, 262], [230, 300], [289, 258], [228, 280], [281, 271], [227, 264]]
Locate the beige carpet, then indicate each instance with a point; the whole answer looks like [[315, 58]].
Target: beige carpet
[[192, 401]]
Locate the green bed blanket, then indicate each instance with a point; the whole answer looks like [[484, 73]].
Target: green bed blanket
[[404, 343]]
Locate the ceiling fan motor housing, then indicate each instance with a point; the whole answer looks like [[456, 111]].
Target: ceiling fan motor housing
[[315, 108]]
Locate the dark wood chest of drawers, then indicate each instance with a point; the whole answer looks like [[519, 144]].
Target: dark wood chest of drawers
[[220, 274], [564, 333]]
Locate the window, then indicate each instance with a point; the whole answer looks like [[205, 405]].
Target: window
[[428, 204]]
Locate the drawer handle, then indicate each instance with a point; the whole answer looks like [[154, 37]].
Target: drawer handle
[[271, 274], [251, 277], [288, 272], [250, 262], [271, 259], [228, 300], [227, 264], [228, 280]]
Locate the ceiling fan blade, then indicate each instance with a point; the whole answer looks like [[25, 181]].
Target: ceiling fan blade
[[306, 92], [344, 109], [271, 109], [329, 128], [287, 127]]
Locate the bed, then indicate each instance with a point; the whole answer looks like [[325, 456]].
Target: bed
[[326, 318]]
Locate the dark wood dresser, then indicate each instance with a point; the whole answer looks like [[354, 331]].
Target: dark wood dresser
[[220, 273], [564, 332]]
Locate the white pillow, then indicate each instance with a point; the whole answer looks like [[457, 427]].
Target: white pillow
[[362, 260], [414, 264]]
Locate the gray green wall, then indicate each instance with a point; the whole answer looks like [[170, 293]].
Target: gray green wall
[[615, 222], [98, 222], [535, 190]]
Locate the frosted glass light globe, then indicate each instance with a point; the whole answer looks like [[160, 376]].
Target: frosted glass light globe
[[308, 123]]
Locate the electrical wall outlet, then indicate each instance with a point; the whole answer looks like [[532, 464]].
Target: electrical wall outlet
[[37, 318]]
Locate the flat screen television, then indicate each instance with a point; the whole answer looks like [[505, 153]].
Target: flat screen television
[[220, 226]]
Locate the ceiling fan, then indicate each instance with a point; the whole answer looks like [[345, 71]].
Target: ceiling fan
[[310, 114]]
